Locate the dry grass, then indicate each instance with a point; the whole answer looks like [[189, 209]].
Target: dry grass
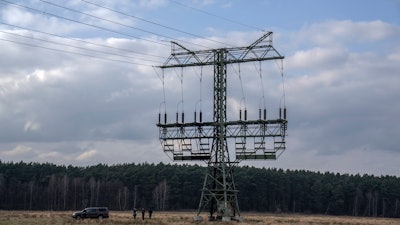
[[181, 218]]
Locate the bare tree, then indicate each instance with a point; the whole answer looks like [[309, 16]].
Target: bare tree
[[357, 199], [31, 187], [122, 197], [84, 199], [369, 206], [77, 181], [98, 192], [160, 195], [134, 196], [126, 197], [65, 182], [396, 207], [375, 200], [119, 196], [92, 185], [52, 191]]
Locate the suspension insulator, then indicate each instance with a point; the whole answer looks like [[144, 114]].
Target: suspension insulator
[[280, 113], [183, 117], [284, 113], [177, 117], [240, 114], [259, 114], [201, 117], [265, 114], [165, 118], [245, 114], [195, 116], [159, 118]]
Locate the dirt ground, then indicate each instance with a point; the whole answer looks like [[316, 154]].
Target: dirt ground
[[180, 218]]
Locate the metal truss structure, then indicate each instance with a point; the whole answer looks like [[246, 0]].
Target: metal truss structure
[[207, 141]]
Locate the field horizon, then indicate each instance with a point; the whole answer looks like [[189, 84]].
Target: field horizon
[[183, 217]]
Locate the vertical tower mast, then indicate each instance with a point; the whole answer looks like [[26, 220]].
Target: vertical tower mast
[[219, 193]]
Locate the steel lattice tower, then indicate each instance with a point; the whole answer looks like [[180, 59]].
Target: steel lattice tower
[[191, 141]]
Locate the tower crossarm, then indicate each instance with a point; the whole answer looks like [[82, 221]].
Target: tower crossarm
[[260, 50], [254, 128]]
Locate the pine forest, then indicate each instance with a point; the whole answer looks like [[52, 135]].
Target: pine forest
[[170, 187]]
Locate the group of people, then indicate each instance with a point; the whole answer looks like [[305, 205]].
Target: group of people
[[143, 213]]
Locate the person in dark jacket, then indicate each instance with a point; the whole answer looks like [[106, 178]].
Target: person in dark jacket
[[143, 211], [134, 213]]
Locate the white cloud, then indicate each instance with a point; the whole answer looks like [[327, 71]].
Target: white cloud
[[360, 160], [85, 156], [317, 58], [344, 99], [52, 156], [348, 32], [83, 153], [395, 56], [18, 151], [152, 4], [17, 16], [31, 126]]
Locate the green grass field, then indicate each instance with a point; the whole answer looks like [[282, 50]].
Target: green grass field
[[180, 218]]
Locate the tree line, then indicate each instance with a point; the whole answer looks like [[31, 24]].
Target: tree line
[[45, 186]]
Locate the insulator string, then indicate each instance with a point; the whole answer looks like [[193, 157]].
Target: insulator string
[[283, 98], [283, 86], [241, 86], [180, 77], [162, 79], [238, 72], [163, 86], [182, 87], [259, 69], [201, 86]]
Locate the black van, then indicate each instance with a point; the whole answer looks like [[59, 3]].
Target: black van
[[91, 212]]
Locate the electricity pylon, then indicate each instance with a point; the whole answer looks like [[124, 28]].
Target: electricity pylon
[[191, 140]]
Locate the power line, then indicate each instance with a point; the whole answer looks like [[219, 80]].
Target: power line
[[118, 23], [83, 41], [74, 53], [87, 24], [217, 16], [152, 22], [103, 28], [77, 47]]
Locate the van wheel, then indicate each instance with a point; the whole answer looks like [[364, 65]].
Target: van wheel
[[80, 217], [100, 217]]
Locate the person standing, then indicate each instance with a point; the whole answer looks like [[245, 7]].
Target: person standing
[[150, 212], [134, 213], [143, 211]]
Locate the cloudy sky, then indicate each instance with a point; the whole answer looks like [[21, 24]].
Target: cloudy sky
[[78, 83]]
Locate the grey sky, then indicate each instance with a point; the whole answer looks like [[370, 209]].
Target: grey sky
[[341, 81]]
